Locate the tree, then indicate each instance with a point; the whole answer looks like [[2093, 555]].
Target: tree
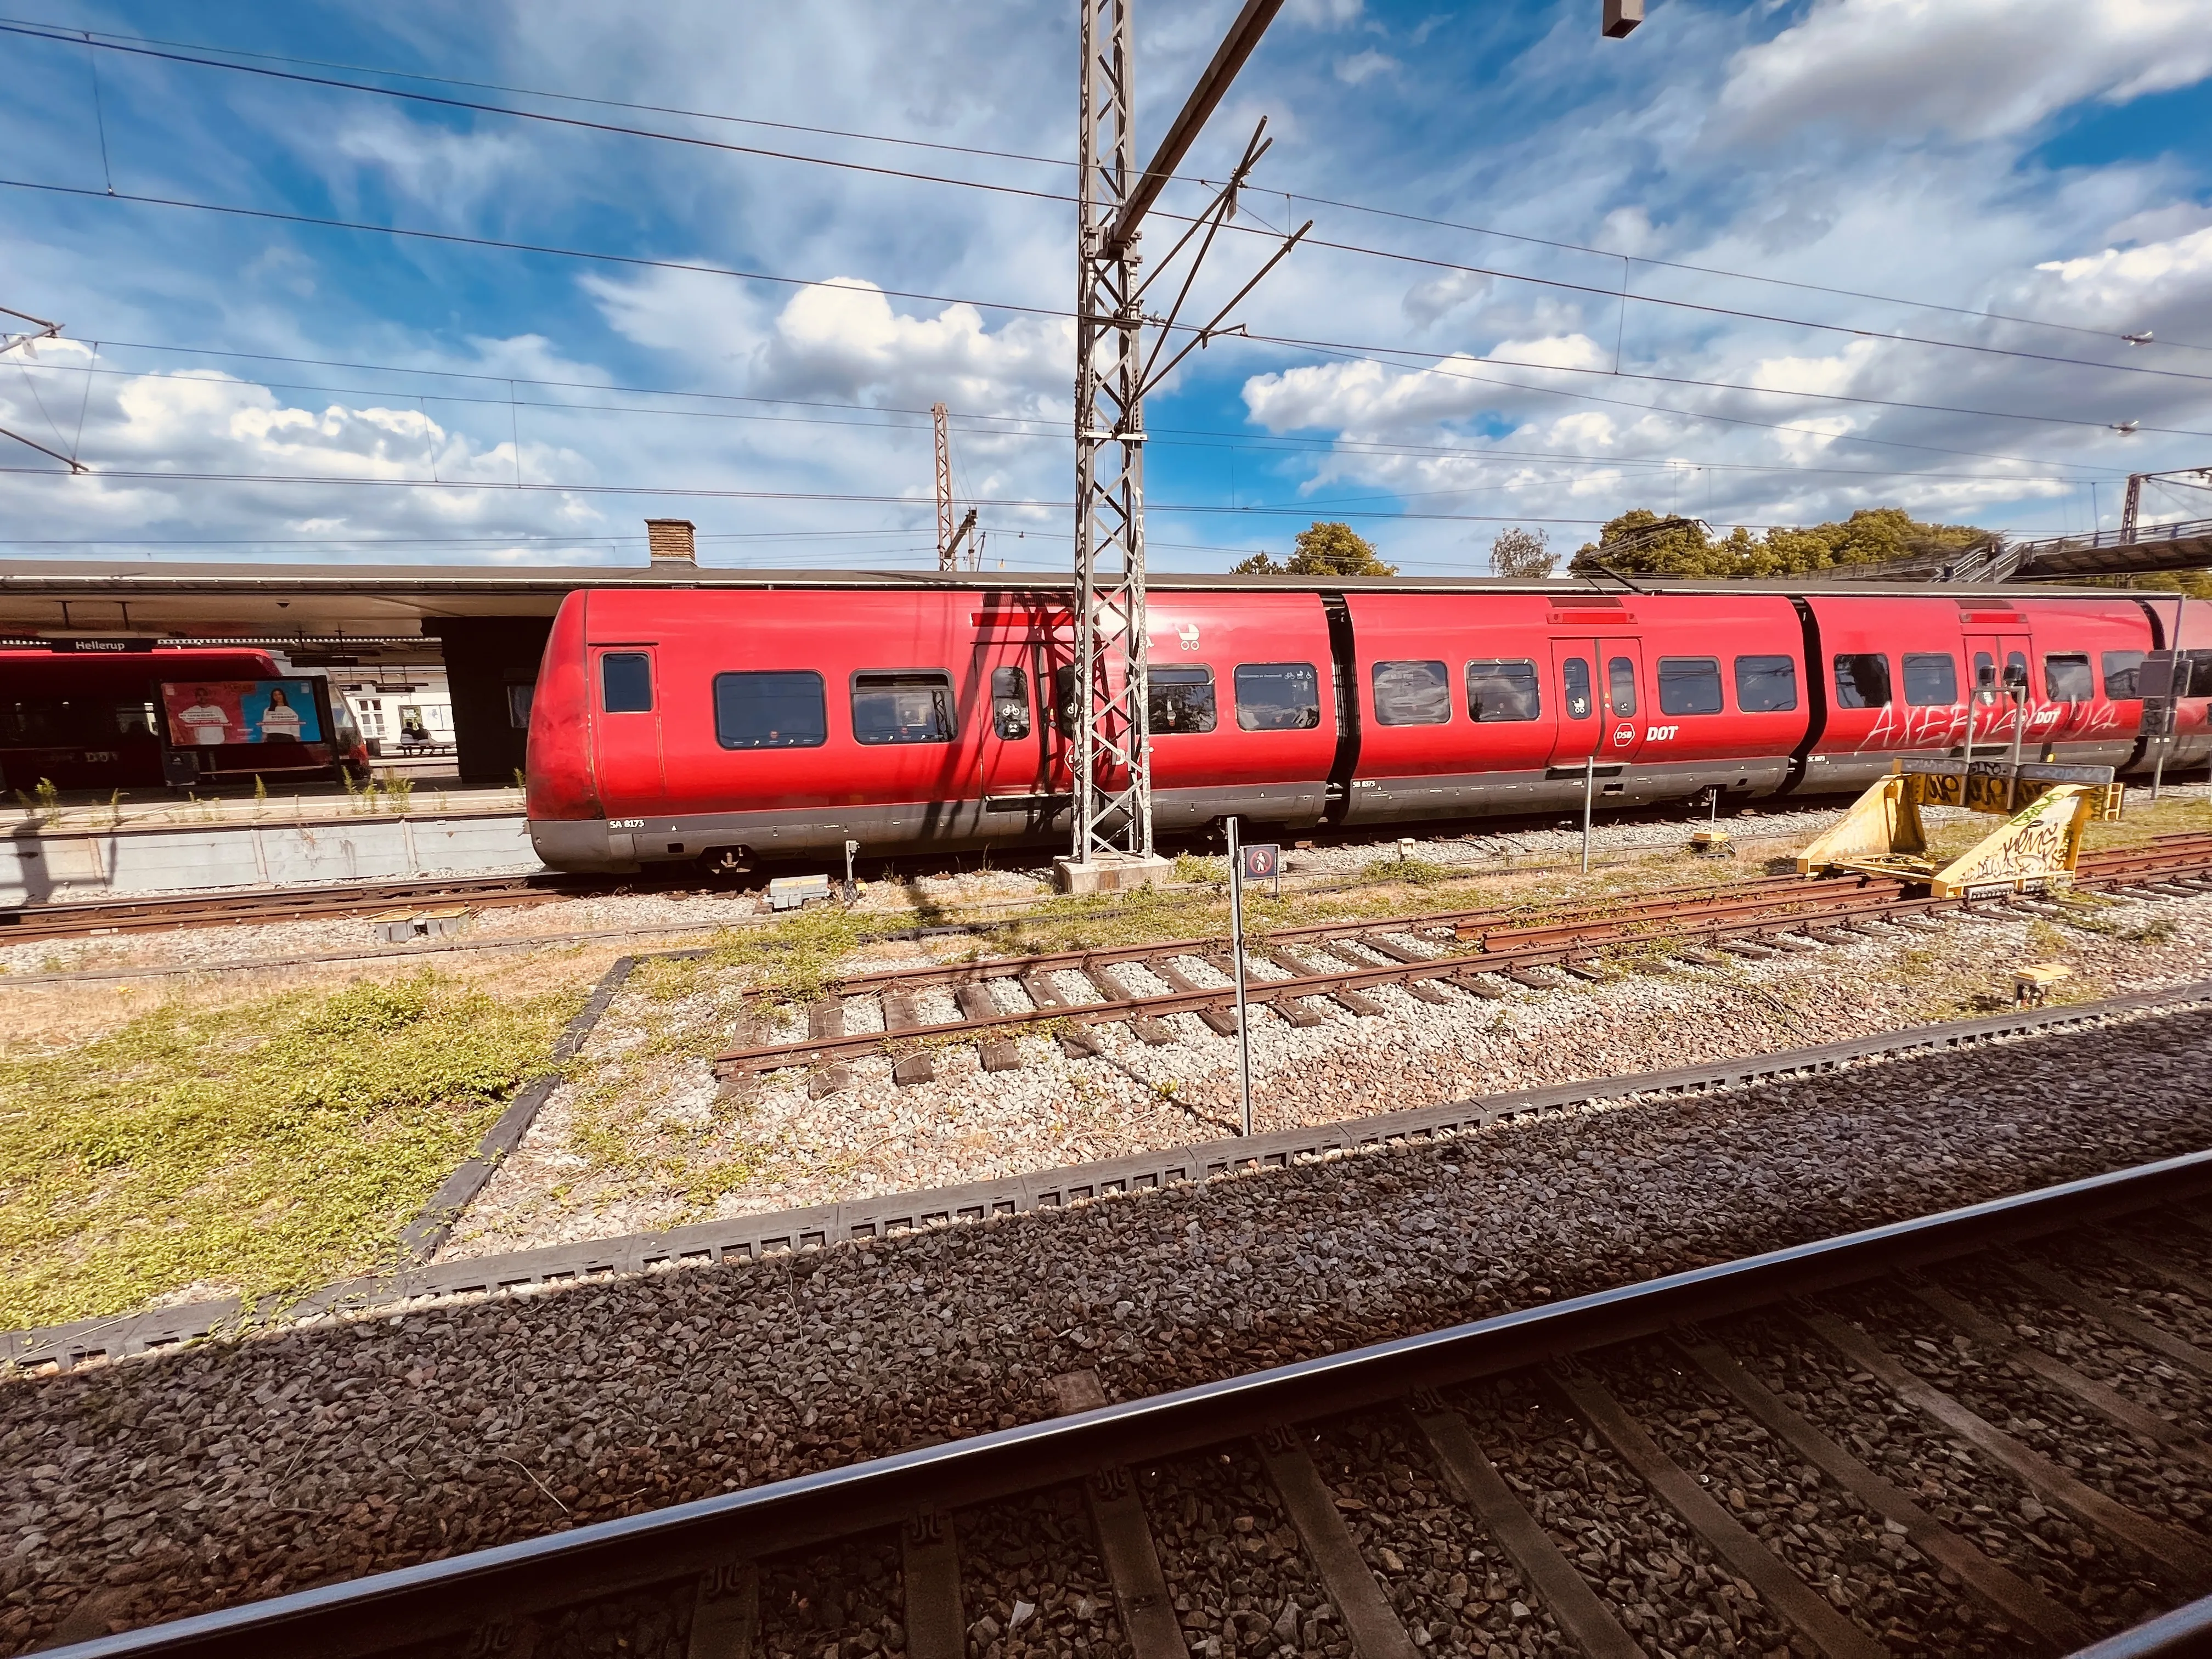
[[1323, 550], [1522, 553], [1335, 550], [1644, 542]]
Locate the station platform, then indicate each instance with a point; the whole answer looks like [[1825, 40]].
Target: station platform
[[87, 851]]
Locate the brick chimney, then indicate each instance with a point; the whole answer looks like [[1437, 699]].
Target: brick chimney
[[669, 542]]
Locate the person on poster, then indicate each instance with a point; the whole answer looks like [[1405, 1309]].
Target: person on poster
[[205, 719], [280, 721]]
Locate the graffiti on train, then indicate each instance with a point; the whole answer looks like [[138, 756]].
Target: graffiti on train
[[1905, 726]]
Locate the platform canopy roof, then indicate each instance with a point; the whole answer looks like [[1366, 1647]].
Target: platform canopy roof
[[58, 598]]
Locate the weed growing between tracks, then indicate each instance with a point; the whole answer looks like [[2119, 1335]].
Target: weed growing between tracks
[[267, 1146]]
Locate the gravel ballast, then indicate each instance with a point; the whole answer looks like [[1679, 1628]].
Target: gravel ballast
[[692, 1150], [232, 1470]]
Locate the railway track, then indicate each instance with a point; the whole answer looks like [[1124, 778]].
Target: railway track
[[1478, 951], [1974, 1432], [22, 924]]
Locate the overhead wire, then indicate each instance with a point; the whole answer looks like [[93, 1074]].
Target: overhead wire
[[1622, 295], [1380, 351], [1054, 431], [687, 492], [1351, 354], [1325, 347], [141, 43], [1295, 510]]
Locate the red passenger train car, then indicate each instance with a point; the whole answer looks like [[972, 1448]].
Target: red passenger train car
[[109, 715], [734, 724]]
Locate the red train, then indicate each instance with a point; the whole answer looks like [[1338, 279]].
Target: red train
[[746, 724], [122, 714]]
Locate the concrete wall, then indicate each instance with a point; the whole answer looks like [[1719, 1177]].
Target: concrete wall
[[39, 867]]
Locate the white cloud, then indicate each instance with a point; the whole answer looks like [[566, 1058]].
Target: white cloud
[[844, 336], [1662, 154], [1427, 302], [1975, 69], [1361, 67], [2133, 271], [453, 173]]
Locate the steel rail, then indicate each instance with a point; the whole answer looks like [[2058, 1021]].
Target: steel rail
[[782, 1055], [94, 916], [410, 1605], [25, 922], [1787, 905], [2184, 1633], [1662, 901]]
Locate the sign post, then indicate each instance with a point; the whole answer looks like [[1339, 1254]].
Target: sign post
[[1590, 788], [1236, 962]]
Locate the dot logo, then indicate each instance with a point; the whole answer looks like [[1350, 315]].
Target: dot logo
[[1623, 735]]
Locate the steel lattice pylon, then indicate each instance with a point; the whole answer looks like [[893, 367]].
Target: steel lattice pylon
[[1112, 778]]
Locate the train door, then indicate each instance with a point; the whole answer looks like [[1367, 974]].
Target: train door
[[1579, 730], [1022, 754], [626, 746], [1999, 671], [1622, 691]]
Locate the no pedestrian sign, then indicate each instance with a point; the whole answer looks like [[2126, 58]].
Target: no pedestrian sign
[[1262, 861]]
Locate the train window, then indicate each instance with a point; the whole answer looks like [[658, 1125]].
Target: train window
[[1689, 685], [1410, 693], [780, 710], [1009, 703], [1931, 678], [136, 719], [1620, 685], [1862, 679], [1182, 702], [1064, 701], [1575, 672], [1502, 689], [47, 720], [1986, 673], [2015, 672], [1278, 697], [915, 707], [2066, 678], [2192, 674], [626, 683], [1765, 685], [2123, 673]]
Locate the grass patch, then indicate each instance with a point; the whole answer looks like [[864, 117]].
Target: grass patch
[[1413, 872], [271, 1147], [1192, 868]]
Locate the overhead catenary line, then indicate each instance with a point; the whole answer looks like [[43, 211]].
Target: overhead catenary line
[[1152, 180], [1353, 353], [1292, 510], [1325, 347], [458, 238], [1158, 437], [1053, 426], [694, 491], [140, 45], [1378, 352]]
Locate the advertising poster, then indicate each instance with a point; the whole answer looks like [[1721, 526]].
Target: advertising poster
[[205, 713]]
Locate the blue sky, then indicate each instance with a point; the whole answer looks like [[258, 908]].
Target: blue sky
[[2035, 159]]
